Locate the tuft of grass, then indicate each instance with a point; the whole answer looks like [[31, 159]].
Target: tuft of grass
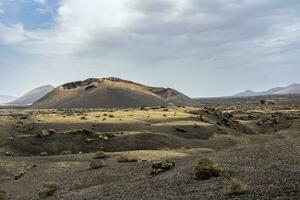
[[47, 190], [96, 164], [236, 187], [77, 184], [207, 169], [100, 155], [127, 158], [140, 178]]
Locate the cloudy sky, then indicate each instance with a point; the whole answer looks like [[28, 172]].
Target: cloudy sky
[[200, 47]]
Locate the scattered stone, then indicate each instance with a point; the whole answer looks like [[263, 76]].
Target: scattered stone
[[17, 177], [88, 140], [162, 166], [207, 169], [181, 130], [45, 133], [47, 190], [9, 154]]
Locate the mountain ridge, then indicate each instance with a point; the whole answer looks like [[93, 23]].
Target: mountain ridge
[[33, 95], [290, 89], [110, 92]]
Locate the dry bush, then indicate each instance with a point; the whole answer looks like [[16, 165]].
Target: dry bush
[[47, 190], [100, 155], [96, 164], [236, 187], [207, 169], [127, 158]]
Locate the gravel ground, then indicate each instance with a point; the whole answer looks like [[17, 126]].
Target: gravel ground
[[270, 170]]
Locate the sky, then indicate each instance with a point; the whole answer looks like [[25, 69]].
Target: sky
[[202, 48]]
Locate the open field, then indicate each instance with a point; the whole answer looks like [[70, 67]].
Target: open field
[[51, 151]]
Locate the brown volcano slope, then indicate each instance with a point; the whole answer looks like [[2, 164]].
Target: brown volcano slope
[[107, 93]]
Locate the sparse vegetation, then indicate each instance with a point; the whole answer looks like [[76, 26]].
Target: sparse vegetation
[[236, 187], [127, 158], [100, 155], [96, 164], [77, 184], [207, 169], [47, 190]]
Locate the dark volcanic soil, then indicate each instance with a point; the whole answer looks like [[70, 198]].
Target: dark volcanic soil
[[257, 145]]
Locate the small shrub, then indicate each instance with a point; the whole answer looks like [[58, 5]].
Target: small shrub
[[76, 185], [47, 190], [140, 178], [3, 195], [127, 158], [236, 187], [83, 118], [164, 115], [96, 164], [100, 155], [207, 169], [111, 116]]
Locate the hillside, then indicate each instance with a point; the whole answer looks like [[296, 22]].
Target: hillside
[[33, 95], [109, 93]]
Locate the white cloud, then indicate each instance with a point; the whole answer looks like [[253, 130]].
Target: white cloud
[[216, 36], [12, 34], [40, 1]]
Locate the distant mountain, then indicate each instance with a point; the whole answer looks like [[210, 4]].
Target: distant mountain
[[6, 99], [110, 93], [291, 89], [33, 95]]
